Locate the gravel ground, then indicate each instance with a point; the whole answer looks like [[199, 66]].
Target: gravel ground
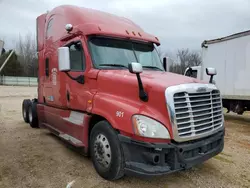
[[35, 158]]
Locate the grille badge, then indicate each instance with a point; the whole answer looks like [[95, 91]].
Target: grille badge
[[201, 89]]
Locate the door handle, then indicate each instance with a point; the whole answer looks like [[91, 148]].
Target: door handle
[[68, 96], [47, 66]]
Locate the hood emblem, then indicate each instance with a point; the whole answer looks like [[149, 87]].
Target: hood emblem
[[201, 89]]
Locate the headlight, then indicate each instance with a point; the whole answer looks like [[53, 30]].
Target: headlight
[[147, 127]]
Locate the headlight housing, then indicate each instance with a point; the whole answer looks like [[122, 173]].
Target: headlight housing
[[148, 127]]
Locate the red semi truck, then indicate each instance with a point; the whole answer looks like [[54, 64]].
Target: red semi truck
[[103, 88]]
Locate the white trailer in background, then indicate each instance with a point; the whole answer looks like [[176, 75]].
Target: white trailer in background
[[231, 57]]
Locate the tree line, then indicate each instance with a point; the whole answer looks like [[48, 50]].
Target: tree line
[[183, 59], [24, 61]]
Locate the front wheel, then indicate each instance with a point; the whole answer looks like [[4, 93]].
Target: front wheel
[[106, 152]]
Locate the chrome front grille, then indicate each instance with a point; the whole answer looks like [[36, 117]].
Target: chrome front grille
[[195, 110], [197, 113]]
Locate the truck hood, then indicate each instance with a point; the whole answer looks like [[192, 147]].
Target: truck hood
[[149, 79], [166, 79], [118, 91]]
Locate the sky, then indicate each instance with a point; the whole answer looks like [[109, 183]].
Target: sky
[[177, 23]]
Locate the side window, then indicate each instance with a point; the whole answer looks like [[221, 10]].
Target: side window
[[192, 73], [49, 28], [77, 58]]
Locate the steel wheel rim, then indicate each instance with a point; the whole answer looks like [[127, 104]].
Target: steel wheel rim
[[102, 150], [30, 115]]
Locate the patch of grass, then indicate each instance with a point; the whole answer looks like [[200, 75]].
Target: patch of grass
[[220, 158]]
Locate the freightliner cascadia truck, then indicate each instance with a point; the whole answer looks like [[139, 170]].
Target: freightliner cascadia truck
[[103, 88], [230, 56]]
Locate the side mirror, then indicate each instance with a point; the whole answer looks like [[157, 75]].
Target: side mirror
[[135, 68], [63, 59], [165, 63], [211, 72]]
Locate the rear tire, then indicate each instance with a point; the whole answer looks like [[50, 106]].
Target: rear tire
[[33, 119], [106, 152], [25, 110]]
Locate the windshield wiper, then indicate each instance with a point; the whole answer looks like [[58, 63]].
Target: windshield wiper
[[152, 67], [113, 65]]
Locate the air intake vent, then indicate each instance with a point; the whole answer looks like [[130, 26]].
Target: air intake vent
[[197, 113]]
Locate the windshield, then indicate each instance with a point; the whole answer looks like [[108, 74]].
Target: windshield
[[119, 53]]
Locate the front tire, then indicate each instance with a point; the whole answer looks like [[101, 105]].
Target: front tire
[[106, 152]]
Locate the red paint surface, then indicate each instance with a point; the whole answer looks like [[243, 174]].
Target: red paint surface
[[108, 91]]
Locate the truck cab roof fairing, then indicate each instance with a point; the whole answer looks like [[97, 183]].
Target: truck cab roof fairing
[[102, 23]]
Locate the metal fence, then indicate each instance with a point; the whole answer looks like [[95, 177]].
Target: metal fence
[[18, 81]]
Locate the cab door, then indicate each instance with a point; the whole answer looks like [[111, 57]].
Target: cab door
[[77, 92], [77, 88]]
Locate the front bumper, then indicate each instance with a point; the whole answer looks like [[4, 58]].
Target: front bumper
[[150, 159]]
